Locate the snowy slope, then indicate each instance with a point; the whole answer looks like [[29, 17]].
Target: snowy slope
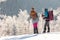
[[46, 36]]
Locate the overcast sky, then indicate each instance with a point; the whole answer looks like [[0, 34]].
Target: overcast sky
[[11, 7]]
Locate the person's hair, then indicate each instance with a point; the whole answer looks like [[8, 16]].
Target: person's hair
[[46, 9], [32, 8]]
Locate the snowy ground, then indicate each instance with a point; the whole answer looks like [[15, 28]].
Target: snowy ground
[[45, 36]]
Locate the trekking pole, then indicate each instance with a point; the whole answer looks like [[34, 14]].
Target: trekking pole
[[28, 24]]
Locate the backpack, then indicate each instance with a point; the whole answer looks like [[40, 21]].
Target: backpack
[[50, 16]]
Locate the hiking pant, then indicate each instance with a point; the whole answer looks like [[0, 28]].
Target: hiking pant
[[46, 25], [36, 30]]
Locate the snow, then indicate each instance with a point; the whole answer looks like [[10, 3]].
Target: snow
[[45, 36]]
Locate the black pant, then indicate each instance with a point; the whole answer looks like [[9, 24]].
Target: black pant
[[35, 30], [46, 24]]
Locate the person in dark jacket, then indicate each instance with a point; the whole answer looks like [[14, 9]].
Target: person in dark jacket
[[46, 21]]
